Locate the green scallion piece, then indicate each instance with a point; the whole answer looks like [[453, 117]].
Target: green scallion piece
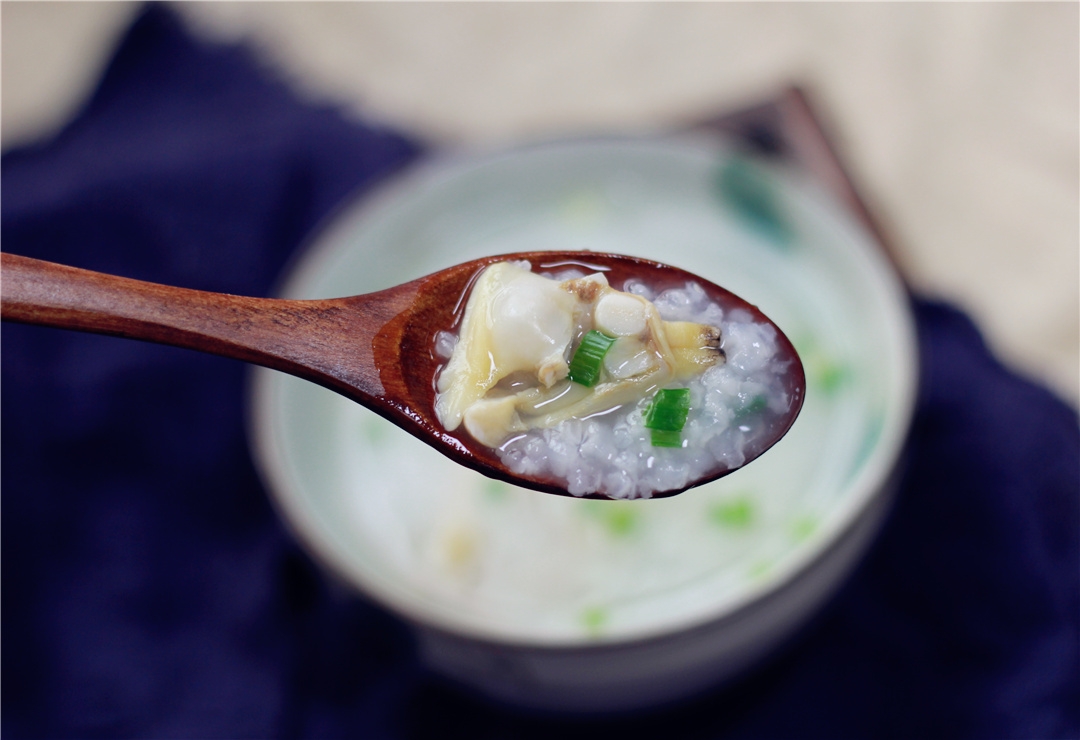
[[749, 190], [755, 405], [589, 358], [668, 410], [665, 438], [666, 416]]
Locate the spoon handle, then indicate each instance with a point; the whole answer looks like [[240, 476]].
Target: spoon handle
[[302, 338]]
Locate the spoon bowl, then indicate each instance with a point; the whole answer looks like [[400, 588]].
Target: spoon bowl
[[377, 349]]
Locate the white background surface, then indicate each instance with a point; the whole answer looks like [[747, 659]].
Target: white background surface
[[960, 122]]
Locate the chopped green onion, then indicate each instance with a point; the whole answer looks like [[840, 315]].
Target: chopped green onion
[[748, 189], [589, 357], [668, 410], [737, 514], [666, 416], [665, 438], [753, 406]]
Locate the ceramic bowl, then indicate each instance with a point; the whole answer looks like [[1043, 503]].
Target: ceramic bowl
[[565, 604]]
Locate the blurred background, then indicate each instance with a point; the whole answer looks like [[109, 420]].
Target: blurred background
[[152, 590], [958, 122]]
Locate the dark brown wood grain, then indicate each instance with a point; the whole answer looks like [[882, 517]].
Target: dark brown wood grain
[[376, 349]]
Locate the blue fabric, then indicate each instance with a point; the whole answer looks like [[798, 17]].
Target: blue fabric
[[149, 590]]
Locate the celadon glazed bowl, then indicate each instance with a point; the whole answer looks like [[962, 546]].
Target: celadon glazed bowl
[[580, 605]]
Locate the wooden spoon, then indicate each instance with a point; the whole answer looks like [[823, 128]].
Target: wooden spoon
[[376, 349]]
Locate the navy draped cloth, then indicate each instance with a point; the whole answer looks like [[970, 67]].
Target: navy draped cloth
[[149, 590]]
